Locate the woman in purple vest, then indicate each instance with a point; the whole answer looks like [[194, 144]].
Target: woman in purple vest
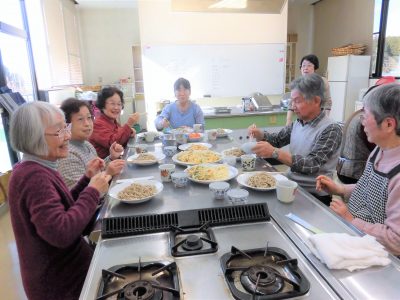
[[373, 203], [48, 219]]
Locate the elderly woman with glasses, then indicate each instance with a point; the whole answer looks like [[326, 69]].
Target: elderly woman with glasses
[[48, 219], [107, 130], [80, 152], [373, 203], [308, 65]]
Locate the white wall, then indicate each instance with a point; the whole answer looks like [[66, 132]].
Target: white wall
[[160, 26], [108, 35], [300, 21], [340, 22]]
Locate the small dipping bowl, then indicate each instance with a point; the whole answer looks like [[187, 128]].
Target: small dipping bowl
[[219, 189], [168, 140], [238, 196], [170, 150], [179, 179]]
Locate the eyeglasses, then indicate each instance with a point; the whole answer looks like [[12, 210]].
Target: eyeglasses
[[62, 132], [82, 120], [114, 104], [362, 114], [307, 66]]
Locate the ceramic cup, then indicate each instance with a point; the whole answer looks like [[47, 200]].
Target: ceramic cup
[[248, 162], [141, 148], [230, 160], [212, 135], [219, 189], [197, 127], [170, 150], [286, 190], [238, 196], [150, 136], [165, 172], [180, 179]]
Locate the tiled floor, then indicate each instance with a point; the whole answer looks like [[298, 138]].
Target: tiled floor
[[10, 277]]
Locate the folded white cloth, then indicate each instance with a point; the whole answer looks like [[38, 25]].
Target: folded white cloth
[[342, 251]]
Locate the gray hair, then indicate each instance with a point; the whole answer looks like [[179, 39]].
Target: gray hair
[[28, 125], [310, 85], [384, 102]]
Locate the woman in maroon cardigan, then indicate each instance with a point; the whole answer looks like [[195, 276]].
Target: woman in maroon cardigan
[[48, 220], [106, 129]]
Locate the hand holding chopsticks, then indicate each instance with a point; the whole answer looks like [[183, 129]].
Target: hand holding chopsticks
[[255, 133]]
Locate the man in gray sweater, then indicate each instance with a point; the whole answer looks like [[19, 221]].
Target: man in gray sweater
[[314, 139]]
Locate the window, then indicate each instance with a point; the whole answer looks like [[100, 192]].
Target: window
[[386, 39], [16, 67]]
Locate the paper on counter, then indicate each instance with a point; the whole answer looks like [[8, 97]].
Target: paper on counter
[[134, 179]]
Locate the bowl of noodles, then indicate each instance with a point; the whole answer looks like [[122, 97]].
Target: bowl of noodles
[[259, 181], [195, 157], [207, 173], [136, 191]]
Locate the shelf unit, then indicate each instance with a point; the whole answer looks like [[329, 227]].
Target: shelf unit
[[137, 70], [290, 59]]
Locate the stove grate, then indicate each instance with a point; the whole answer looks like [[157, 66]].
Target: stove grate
[[142, 224], [134, 225]]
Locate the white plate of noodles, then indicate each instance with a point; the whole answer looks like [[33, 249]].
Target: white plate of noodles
[[196, 157], [259, 181], [144, 159], [207, 173], [136, 191]]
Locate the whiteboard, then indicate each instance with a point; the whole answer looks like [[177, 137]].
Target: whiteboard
[[227, 70]]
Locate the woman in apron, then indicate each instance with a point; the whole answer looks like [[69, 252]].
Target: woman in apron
[[374, 202]]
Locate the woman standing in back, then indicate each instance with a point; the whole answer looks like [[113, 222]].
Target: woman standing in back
[[48, 220], [106, 128], [182, 112]]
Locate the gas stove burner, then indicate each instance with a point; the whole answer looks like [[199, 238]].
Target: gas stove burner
[[140, 281], [262, 280], [263, 274], [192, 243], [140, 290]]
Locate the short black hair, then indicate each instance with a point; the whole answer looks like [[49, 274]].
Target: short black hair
[[106, 93], [312, 59], [181, 82], [72, 106]]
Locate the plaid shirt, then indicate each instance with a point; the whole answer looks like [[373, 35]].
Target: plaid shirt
[[325, 145]]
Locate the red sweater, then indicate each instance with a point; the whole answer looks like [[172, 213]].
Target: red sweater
[[107, 131], [48, 221]]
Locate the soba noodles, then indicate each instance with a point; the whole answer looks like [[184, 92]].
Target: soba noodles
[[137, 191], [261, 180], [145, 156], [234, 152]]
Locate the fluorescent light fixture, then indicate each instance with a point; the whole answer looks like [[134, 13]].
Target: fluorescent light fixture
[[233, 4]]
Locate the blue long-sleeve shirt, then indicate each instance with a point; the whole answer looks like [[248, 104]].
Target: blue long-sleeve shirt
[[176, 118]]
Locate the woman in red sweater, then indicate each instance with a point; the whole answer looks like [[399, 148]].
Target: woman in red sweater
[[48, 220], [106, 129]]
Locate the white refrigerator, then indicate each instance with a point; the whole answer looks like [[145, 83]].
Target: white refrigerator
[[346, 75]]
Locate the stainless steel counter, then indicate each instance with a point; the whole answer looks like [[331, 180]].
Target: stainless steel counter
[[372, 283]]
